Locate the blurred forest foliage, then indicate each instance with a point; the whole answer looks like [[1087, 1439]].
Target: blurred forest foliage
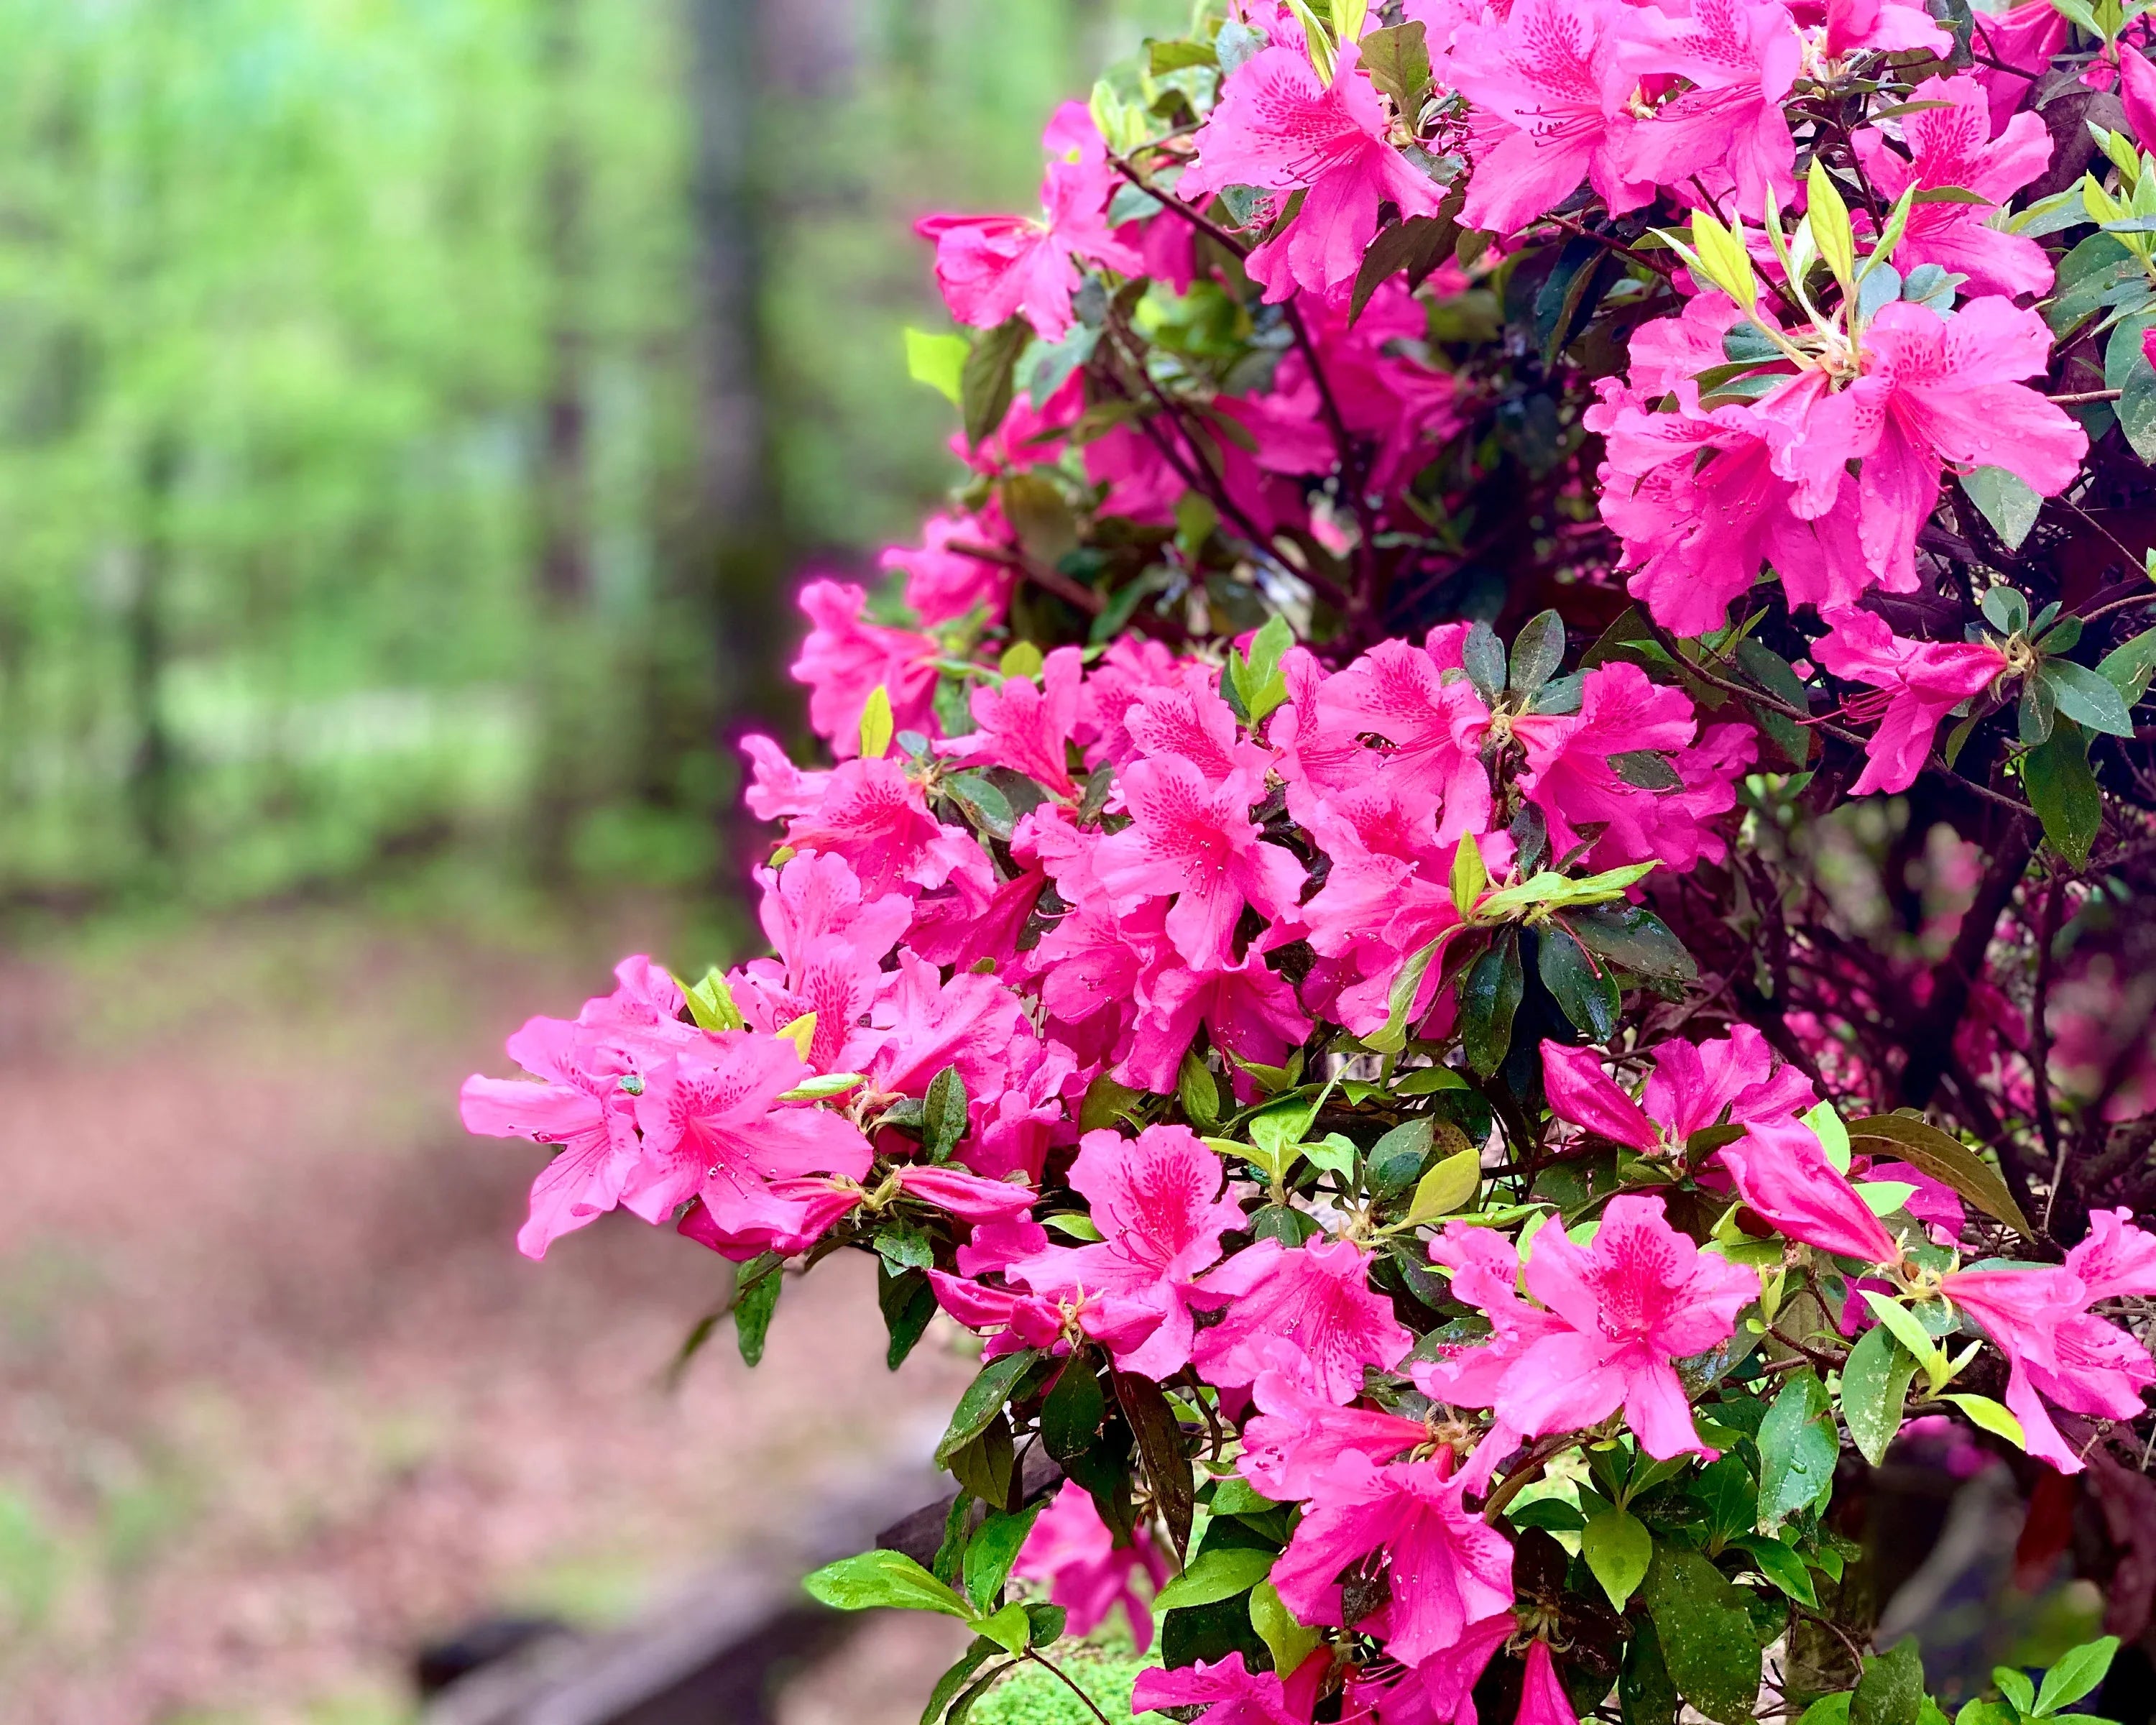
[[413, 411]]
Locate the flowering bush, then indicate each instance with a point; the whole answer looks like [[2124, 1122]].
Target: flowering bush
[[1390, 924]]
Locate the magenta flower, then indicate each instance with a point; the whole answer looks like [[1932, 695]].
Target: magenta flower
[[876, 818], [1692, 1086], [1158, 1200], [1434, 726], [1782, 1171], [845, 658], [830, 942], [2017, 45], [967, 1197], [1230, 1693], [1448, 1567], [1640, 1297], [1542, 1699], [1953, 145], [1318, 1298], [1919, 682], [2056, 1350], [2136, 94], [1195, 838], [714, 1128], [942, 585], [1440, 1690], [1298, 1432], [1026, 726], [1280, 128], [1073, 1553], [1551, 89], [994, 268], [1934, 393], [1246, 1008], [1740, 58]]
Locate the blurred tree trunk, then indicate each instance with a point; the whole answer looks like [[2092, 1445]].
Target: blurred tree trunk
[[149, 768]]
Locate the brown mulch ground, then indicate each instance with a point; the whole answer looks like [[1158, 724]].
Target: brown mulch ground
[[277, 1399]]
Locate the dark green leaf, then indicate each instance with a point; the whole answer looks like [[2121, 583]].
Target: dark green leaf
[[1635, 939], [1725, 1490], [984, 1399], [1417, 245], [983, 803], [1216, 1574], [1587, 991], [1892, 1690], [943, 1114], [1395, 1161], [1645, 1695], [2004, 608], [1397, 61], [2063, 792], [1781, 1565], [1483, 654], [1196, 1089], [953, 1680], [1904, 1137], [2088, 698], [1797, 1450], [756, 1297], [988, 381], [902, 1246], [1073, 1412], [983, 1464], [2037, 710], [974, 1690], [1047, 1621], [1645, 769], [2130, 666], [1537, 652], [1488, 998], [1705, 1633], [992, 1551], [1161, 1453]]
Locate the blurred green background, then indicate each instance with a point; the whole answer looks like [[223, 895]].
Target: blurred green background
[[414, 415], [410, 410]]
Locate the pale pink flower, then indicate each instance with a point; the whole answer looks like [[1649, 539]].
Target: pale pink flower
[[1279, 127], [1193, 837], [1318, 1298], [1448, 1567], [1073, 1553], [1919, 682], [845, 658], [2056, 1350], [1158, 1200], [1551, 92], [1953, 145], [1782, 1171], [1639, 1297]]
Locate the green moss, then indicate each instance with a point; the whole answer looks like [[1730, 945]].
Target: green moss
[[1031, 1695]]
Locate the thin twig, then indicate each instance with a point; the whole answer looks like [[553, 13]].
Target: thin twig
[[1090, 1706], [1040, 575], [2082, 397]]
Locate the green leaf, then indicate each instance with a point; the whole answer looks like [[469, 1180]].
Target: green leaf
[[943, 1114], [1781, 1565], [1828, 216], [756, 1297], [2131, 666], [2005, 609], [2006, 500], [1010, 1629], [1903, 1138], [1892, 1690], [1645, 1695], [937, 361], [1634, 939], [956, 1678], [1397, 61], [1073, 1411], [1397, 1158], [988, 381], [1797, 1450], [1587, 993], [1828, 1710], [1216, 1575], [1471, 875], [2089, 698], [1417, 245], [1446, 1186], [1483, 654], [1705, 1631], [992, 1551], [711, 1002], [1197, 1090], [2016, 1688], [1488, 998], [1537, 652], [1994, 1417], [887, 1578], [1874, 1387], [1288, 1641], [1906, 1329], [984, 1399], [908, 1304], [1393, 1035], [1618, 1549], [2078, 1672], [1106, 1102], [2063, 792], [876, 724]]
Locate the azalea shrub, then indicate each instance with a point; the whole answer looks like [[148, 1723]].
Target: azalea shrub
[[1479, 911]]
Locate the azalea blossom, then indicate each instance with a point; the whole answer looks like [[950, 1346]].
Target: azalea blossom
[[1782, 1171], [1318, 1298], [1073, 1553], [1919, 683]]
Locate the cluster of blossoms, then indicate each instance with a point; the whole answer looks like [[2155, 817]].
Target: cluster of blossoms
[[1438, 1151]]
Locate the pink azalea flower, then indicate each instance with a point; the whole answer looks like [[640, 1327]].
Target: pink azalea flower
[[967, 1197], [1542, 1699], [2056, 1350], [1782, 1171], [1157, 1199], [876, 818], [1317, 1297], [845, 659], [714, 1128], [1197, 725], [922, 1024], [993, 268], [1875, 26], [1435, 727], [577, 1104], [1440, 1690], [1934, 393], [1448, 1567], [1919, 683], [1953, 145], [1012, 1319], [2137, 93], [1026, 726], [799, 1214], [777, 789], [1279, 127], [2017, 45], [1299, 1431], [1640, 1297], [1741, 57], [1073, 1553], [942, 585], [1692, 1086], [1195, 838], [830, 943], [1247, 1008], [1232, 1694], [1550, 87]]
